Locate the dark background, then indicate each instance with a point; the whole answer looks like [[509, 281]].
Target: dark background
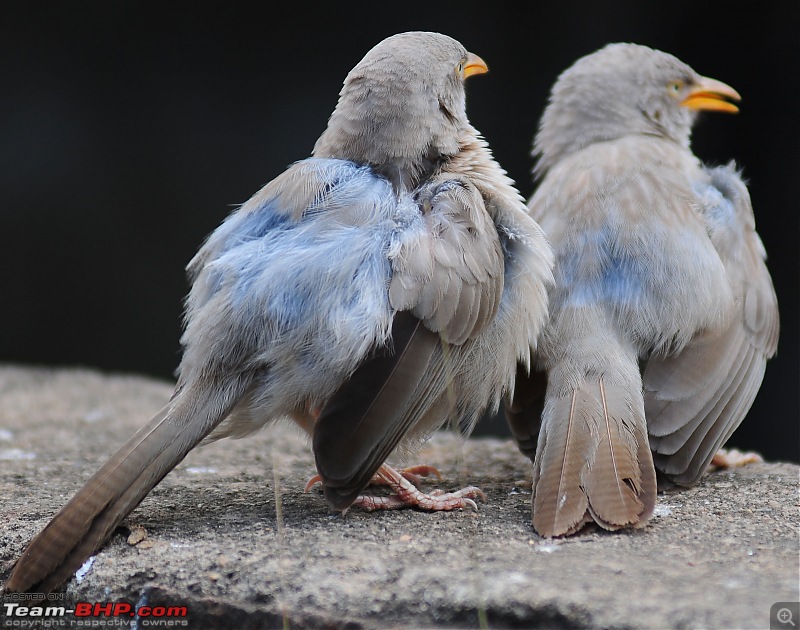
[[129, 130]]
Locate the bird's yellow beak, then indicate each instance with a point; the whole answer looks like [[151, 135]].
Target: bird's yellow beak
[[474, 65], [711, 95]]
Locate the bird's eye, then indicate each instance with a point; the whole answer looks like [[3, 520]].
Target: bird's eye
[[460, 67], [675, 86]]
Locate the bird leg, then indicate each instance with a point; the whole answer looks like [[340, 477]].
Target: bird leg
[[406, 494], [413, 474], [732, 458], [403, 484]]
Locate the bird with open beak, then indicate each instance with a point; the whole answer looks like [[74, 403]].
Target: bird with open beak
[[663, 314]]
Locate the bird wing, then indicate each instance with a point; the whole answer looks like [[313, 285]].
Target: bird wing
[[296, 278], [251, 308], [447, 265], [447, 282], [696, 398]]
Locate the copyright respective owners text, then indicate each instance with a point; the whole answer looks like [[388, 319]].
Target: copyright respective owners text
[[56, 610], [784, 615]]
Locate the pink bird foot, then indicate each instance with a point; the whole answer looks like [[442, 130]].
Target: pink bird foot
[[732, 458], [406, 494], [414, 474]]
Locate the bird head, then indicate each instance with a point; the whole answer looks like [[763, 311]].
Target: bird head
[[625, 89], [402, 107]]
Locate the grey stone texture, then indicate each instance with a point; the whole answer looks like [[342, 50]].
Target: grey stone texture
[[231, 535]]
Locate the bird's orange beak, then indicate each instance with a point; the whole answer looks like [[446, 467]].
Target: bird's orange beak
[[474, 65], [712, 95]]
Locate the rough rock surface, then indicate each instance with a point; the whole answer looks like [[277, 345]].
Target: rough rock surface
[[231, 535]]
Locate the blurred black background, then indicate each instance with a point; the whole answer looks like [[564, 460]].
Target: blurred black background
[[129, 130]]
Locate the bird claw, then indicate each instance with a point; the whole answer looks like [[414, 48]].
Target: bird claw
[[312, 482], [412, 474], [732, 458], [406, 494]]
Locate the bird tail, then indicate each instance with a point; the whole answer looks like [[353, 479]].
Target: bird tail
[[90, 517], [593, 459]]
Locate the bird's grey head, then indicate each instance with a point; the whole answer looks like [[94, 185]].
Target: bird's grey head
[[620, 90], [402, 108]]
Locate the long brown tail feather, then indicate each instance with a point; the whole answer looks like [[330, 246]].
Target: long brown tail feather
[[90, 517], [615, 478], [594, 462], [559, 502]]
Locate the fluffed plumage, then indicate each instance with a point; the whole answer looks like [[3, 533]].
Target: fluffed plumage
[[663, 313], [371, 292]]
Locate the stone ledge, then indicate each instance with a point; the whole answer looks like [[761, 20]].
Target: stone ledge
[[718, 555]]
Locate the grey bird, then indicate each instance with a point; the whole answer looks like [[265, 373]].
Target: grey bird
[[663, 314], [388, 283]]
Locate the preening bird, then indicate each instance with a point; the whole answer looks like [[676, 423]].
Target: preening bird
[[663, 313], [388, 283]]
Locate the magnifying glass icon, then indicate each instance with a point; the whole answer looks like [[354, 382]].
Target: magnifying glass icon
[[785, 616]]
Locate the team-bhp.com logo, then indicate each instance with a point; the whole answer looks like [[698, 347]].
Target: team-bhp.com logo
[[54, 613]]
